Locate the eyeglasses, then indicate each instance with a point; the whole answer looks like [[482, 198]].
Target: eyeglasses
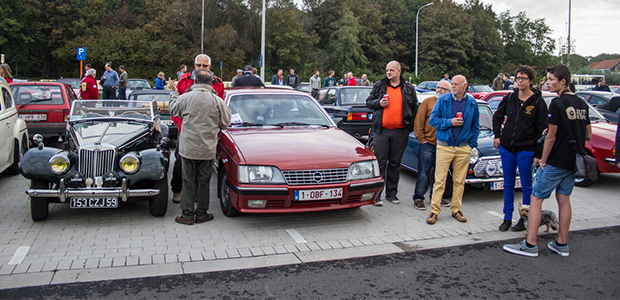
[[442, 88], [523, 78], [201, 65]]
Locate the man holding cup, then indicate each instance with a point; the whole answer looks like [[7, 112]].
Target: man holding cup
[[394, 104], [455, 116]]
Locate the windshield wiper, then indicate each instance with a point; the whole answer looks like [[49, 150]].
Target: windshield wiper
[[34, 101], [248, 124], [291, 124]]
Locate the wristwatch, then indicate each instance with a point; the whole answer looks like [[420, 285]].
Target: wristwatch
[[543, 165]]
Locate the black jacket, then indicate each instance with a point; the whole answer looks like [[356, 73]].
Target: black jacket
[[524, 123], [292, 80], [248, 79], [410, 103]]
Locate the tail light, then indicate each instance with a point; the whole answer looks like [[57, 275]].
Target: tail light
[[357, 116], [65, 113]]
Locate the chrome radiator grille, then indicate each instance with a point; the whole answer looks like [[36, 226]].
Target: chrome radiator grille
[[96, 160], [316, 176]]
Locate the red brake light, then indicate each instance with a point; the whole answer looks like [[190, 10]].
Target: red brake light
[[65, 113], [357, 116]]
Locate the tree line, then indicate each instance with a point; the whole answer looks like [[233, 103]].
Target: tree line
[[40, 38]]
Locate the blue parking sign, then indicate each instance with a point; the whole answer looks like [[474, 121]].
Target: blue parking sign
[[81, 53]]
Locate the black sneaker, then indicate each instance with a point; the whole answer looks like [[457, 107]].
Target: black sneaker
[[505, 225], [520, 226]]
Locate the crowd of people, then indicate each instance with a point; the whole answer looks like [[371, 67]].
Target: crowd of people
[[527, 134], [447, 127]]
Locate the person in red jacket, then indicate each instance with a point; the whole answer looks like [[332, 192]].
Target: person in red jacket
[[352, 80], [202, 61], [88, 87]]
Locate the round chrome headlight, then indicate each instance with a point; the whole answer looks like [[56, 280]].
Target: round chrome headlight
[[59, 164], [475, 156], [130, 164]]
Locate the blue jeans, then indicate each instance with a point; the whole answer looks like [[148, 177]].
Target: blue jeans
[[426, 161], [510, 161], [552, 178]]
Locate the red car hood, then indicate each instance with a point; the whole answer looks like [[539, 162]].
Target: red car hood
[[603, 130], [299, 148]]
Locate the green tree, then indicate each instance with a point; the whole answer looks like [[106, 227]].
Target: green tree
[[446, 41], [488, 50], [288, 45], [344, 44]]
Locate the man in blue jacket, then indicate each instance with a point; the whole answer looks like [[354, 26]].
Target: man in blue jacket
[[455, 116]]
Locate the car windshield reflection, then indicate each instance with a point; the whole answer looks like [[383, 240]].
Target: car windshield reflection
[[102, 109], [276, 110], [354, 96]]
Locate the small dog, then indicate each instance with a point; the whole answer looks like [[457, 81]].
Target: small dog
[[548, 218]]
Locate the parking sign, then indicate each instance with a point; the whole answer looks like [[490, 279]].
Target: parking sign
[[81, 53]]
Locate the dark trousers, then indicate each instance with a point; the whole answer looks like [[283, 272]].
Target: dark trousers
[[195, 195], [109, 93], [426, 161], [389, 146], [121, 93], [176, 184]]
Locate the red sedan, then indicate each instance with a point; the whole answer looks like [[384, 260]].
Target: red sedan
[[283, 153], [45, 106], [602, 144]]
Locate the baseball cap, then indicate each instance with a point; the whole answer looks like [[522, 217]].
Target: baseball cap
[[248, 68], [239, 71]]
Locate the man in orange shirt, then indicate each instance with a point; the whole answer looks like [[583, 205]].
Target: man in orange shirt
[[395, 104]]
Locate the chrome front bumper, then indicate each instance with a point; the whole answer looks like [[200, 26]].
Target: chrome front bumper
[[123, 192]]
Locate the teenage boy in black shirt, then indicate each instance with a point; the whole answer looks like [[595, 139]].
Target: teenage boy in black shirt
[[556, 169]]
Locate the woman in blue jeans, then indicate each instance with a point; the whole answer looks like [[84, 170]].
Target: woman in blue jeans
[[518, 123]]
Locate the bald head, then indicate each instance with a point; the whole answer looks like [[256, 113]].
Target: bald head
[[459, 86], [443, 87], [392, 72]]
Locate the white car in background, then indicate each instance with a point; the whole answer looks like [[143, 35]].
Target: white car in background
[[13, 132]]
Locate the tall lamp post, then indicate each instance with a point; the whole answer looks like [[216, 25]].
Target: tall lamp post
[[416, 37], [262, 47], [568, 52], [202, 34]]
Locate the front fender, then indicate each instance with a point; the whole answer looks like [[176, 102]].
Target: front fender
[[20, 130], [153, 166], [35, 164]]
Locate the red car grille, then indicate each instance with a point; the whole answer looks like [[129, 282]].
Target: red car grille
[[316, 176]]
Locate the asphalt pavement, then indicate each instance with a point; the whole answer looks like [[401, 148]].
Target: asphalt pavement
[[96, 245], [478, 271]]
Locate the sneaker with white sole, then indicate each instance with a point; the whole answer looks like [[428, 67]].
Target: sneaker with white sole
[[378, 202], [561, 250], [521, 249], [393, 199]]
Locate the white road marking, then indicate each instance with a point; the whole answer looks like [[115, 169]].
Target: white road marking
[[19, 255], [498, 215], [296, 236]]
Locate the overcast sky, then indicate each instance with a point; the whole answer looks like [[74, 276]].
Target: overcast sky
[[594, 23]]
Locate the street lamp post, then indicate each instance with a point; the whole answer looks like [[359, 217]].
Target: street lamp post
[[568, 52], [262, 47], [202, 34], [416, 38]]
